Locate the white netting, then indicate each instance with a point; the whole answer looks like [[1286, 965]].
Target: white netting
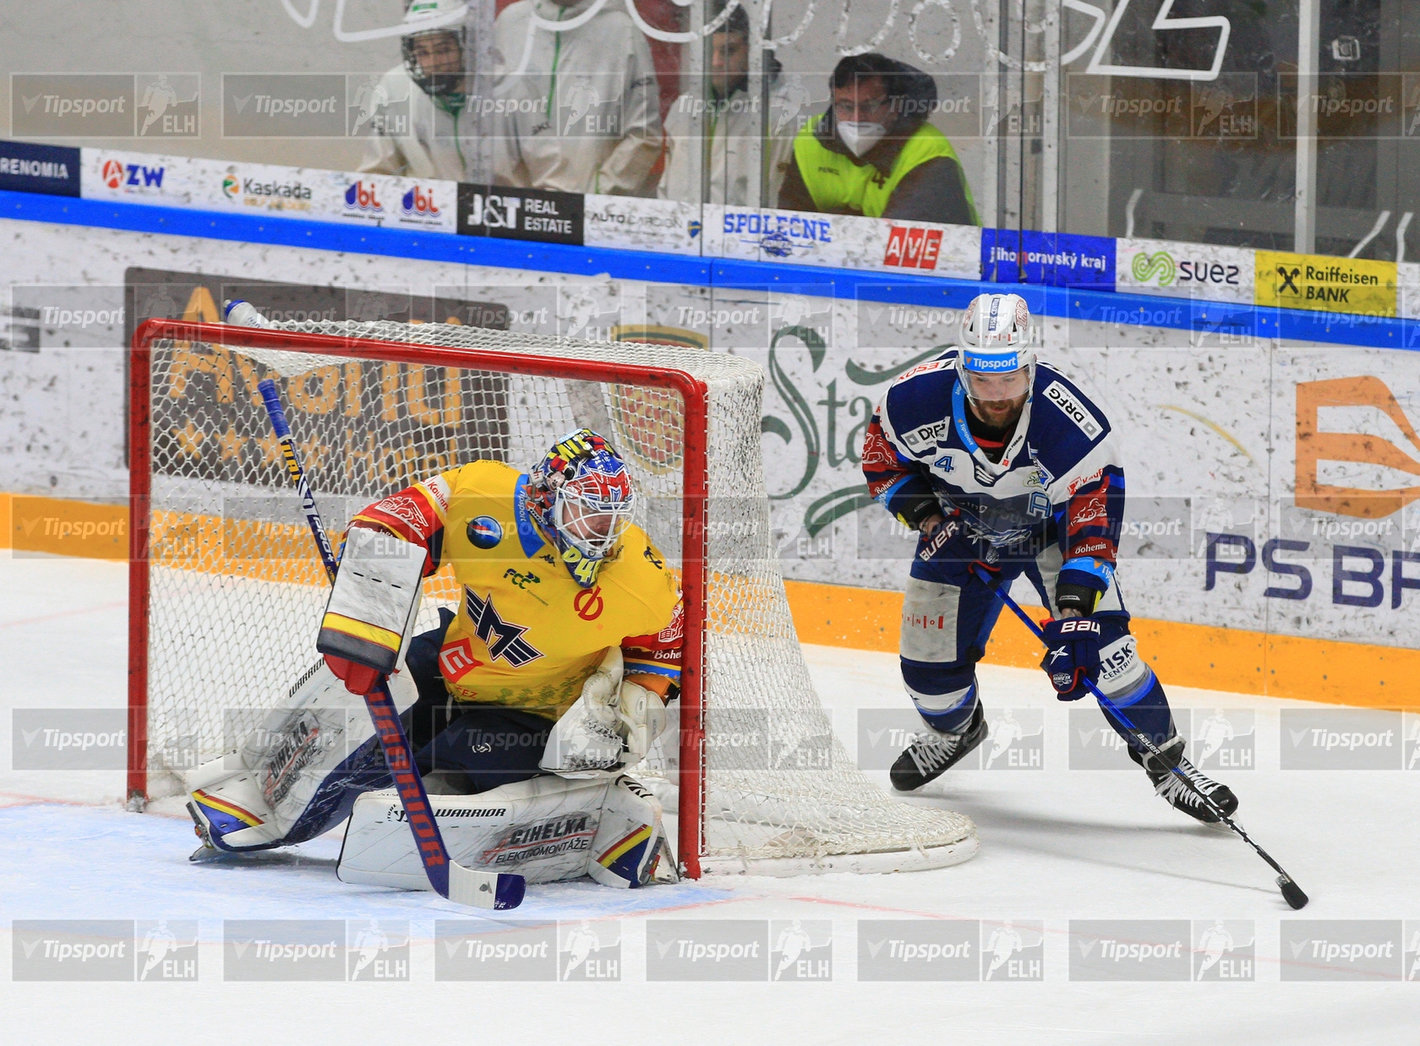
[[237, 590]]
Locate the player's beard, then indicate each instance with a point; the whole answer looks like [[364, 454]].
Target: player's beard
[[998, 416]]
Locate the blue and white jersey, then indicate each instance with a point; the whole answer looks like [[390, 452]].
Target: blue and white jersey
[[1058, 477]]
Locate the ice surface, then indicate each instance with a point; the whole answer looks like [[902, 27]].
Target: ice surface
[[1057, 845]]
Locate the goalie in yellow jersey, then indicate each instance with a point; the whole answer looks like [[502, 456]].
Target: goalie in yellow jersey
[[523, 706]]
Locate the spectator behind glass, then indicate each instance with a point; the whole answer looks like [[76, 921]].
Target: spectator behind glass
[[438, 137], [734, 124], [874, 153], [577, 110]]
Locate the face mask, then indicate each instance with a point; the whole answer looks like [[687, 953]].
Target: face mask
[[860, 136]]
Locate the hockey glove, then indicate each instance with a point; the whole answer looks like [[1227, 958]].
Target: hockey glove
[[1072, 655], [358, 679]]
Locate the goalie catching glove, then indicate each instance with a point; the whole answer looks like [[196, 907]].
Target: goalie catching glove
[[610, 725], [1072, 655]]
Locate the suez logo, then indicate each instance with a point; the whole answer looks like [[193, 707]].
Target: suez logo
[[1159, 269], [913, 248], [118, 175], [1358, 572]]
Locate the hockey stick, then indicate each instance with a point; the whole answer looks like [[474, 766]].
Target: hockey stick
[[1290, 890], [449, 879]]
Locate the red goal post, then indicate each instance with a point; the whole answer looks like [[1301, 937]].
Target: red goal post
[[220, 562]]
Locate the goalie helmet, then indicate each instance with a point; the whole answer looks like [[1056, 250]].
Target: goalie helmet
[[435, 45], [580, 494], [996, 361]]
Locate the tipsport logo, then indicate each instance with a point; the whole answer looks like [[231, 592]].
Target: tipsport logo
[[1013, 950], [589, 951], [1224, 950], [1094, 744], [379, 950], [468, 950], [1222, 739], [167, 950], [1345, 949], [1130, 950], [801, 950]]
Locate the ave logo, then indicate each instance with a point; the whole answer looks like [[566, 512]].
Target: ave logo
[[913, 248], [131, 175]]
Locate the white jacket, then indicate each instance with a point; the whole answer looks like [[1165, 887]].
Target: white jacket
[[576, 111], [738, 164], [433, 143]]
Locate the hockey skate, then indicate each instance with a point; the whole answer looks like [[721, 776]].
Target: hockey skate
[[932, 753], [1169, 785]]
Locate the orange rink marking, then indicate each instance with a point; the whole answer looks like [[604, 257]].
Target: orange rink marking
[[1204, 656]]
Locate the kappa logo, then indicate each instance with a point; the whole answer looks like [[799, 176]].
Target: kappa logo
[[1383, 461]]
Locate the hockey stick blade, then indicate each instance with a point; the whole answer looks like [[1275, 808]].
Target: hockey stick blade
[[451, 880], [1291, 892]]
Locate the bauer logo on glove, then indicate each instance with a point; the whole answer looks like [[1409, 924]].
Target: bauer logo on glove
[[1072, 655]]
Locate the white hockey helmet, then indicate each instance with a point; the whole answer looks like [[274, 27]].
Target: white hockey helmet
[[996, 341], [436, 27]]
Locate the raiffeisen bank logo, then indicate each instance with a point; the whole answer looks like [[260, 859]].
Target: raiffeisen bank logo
[[1360, 472]]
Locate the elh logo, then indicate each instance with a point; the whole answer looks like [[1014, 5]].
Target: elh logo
[[1224, 950], [1223, 738], [167, 950], [1381, 455], [801, 950], [1013, 951], [589, 951]]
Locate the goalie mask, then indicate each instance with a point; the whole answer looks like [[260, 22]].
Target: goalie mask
[[580, 495], [435, 46], [996, 363]]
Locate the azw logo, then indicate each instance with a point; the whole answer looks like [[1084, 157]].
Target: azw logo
[[1374, 454]]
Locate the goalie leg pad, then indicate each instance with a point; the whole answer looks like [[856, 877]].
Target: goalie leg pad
[[547, 829], [630, 848], [297, 774]]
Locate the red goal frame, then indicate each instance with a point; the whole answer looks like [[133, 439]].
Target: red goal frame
[[694, 395]]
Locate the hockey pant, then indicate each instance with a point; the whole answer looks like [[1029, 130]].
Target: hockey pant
[[948, 614]]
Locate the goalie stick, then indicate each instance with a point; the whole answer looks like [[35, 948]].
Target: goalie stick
[[1291, 892], [450, 880]]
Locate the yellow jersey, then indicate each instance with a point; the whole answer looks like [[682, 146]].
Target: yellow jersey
[[525, 633]]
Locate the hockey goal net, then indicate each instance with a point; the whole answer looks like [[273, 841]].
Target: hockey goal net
[[227, 589]]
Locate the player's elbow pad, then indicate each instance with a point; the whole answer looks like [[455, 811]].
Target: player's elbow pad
[[374, 599]]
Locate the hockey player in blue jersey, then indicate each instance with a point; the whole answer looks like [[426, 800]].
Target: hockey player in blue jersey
[[1001, 462]]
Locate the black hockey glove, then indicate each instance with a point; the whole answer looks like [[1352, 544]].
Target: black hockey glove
[[1072, 655]]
